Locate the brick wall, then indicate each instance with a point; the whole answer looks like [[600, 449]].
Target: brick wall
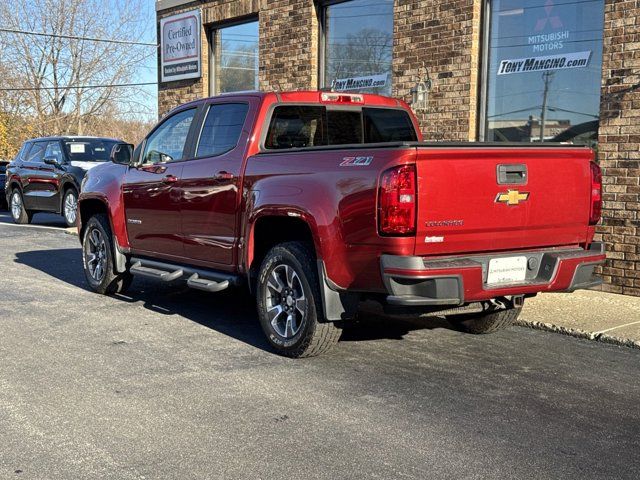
[[287, 54], [619, 147], [433, 35], [172, 94], [442, 37], [288, 45]]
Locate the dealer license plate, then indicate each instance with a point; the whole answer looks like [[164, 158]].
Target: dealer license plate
[[507, 270]]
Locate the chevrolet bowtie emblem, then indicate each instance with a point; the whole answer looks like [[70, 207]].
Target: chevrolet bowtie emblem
[[512, 197]]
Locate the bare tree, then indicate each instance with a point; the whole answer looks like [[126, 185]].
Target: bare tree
[[239, 64], [367, 52], [55, 71]]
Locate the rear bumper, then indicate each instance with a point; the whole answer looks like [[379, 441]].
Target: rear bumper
[[419, 281]]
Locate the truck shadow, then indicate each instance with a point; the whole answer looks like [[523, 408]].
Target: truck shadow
[[229, 312]]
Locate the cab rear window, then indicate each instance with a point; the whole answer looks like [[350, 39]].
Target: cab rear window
[[295, 126], [304, 126], [387, 125]]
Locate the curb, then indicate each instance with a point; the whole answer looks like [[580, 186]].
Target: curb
[[571, 332], [71, 231]]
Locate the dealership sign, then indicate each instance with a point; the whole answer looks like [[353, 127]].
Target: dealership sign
[[358, 83], [541, 64], [180, 46]]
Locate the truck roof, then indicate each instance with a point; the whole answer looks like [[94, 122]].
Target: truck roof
[[311, 96]]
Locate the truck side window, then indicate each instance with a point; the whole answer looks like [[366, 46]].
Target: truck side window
[[167, 142], [36, 153], [222, 128], [21, 155], [296, 127], [387, 125]]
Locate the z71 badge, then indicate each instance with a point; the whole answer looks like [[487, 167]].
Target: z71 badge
[[356, 161]]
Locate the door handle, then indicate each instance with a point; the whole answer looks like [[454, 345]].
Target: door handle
[[223, 176], [512, 174], [170, 179]]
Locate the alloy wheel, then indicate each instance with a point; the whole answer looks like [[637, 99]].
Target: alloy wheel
[[70, 208], [16, 205], [286, 304], [95, 251]]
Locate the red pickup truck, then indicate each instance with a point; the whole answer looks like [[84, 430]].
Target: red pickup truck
[[319, 200]]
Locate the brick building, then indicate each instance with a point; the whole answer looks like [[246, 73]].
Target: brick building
[[519, 70]]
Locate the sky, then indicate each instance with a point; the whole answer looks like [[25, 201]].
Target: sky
[[149, 71]]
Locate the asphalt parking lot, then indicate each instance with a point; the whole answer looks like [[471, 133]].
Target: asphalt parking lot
[[172, 383]]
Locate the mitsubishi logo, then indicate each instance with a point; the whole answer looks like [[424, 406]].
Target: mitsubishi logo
[[554, 20]]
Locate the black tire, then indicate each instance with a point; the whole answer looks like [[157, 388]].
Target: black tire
[[19, 214], [107, 281], [489, 322], [71, 195], [313, 335]]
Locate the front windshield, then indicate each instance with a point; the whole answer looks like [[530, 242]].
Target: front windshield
[[89, 149]]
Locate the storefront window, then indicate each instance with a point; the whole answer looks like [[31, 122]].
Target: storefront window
[[358, 45], [544, 70], [235, 58]]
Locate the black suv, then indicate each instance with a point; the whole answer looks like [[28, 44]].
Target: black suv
[[3, 170], [46, 175]]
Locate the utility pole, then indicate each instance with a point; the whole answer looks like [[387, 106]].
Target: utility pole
[[546, 76]]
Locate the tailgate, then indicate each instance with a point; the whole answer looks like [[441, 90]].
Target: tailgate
[[463, 208]]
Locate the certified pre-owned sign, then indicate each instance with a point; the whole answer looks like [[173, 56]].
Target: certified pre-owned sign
[[180, 46], [540, 64]]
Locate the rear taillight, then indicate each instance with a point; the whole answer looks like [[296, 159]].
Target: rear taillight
[[397, 201], [596, 194]]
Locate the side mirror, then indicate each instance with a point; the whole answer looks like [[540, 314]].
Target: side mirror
[[52, 161], [122, 153]]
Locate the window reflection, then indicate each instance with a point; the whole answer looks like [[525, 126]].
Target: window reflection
[[544, 71], [358, 46], [236, 58]]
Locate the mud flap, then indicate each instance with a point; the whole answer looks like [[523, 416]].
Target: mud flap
[[119, 258], [337, 305]]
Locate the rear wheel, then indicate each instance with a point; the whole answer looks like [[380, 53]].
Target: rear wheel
[[498, 315], [18, 212], [289, 307], [97, 258], [70, 207]]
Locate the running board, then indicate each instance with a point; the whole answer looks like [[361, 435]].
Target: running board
[[206, 280], [154, 273], [207, 285]]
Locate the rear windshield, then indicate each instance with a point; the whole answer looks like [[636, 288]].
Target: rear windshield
[[89, 149], [296, 126], [387, 125]]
